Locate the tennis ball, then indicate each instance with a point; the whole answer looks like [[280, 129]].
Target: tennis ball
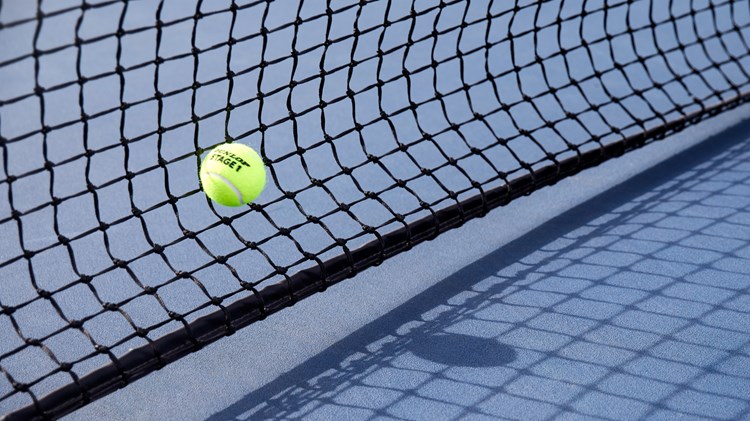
[[232, 174]]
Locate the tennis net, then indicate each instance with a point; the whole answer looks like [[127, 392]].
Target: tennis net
[[382, 125]]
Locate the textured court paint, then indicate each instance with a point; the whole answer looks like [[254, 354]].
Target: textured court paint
[[382, 299], [78, 216]]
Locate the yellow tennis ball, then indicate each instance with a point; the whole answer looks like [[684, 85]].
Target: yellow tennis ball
[[232, 174]]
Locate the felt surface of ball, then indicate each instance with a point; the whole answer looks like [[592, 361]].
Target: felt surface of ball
[[232, 174]]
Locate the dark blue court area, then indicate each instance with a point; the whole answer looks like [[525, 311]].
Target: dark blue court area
[[473, 210], [632, 304]]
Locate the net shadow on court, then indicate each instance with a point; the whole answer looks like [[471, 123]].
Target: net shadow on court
[[633, 304], [382, 124]]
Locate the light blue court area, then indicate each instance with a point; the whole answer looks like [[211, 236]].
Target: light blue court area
[[634, 303], [621, 292]]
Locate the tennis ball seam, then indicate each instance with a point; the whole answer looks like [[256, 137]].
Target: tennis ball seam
[[226, 181]]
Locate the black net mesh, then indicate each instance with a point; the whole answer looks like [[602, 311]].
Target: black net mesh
[[382, 124]]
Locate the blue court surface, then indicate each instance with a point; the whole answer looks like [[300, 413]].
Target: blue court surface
[[619, 292]]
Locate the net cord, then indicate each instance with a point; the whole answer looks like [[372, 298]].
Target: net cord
[[146, 359]]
